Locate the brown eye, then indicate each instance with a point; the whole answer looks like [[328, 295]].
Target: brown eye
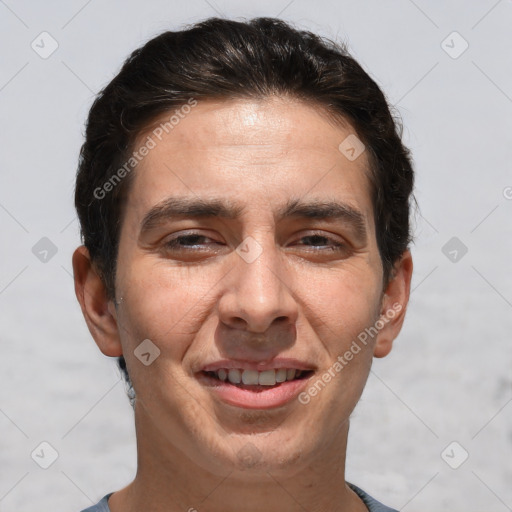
[[320, 240], [181, 242]]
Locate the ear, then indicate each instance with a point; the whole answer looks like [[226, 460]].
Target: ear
[[394, 305], [98, 311]]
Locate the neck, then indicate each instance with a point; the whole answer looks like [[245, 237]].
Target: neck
[[167, 480]]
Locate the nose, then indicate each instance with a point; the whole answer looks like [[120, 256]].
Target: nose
[[257, 294]]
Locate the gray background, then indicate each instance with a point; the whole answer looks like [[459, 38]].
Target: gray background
[[449, 375]]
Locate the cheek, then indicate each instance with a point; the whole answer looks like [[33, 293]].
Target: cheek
[[342, 303], [163, 304], [345, 304]]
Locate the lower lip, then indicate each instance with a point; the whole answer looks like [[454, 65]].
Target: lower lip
[[254, 397]]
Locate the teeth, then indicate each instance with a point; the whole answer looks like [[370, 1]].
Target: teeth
[[250, 377], [253, 377], [234, 376], [267, 378], [281, 375]]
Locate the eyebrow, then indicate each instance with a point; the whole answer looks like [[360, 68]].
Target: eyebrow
[[183, 207]]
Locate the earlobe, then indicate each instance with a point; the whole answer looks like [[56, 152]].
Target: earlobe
[[98, 311], [394, 305]]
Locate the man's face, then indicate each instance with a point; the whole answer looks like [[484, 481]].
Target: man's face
[[276, 284]]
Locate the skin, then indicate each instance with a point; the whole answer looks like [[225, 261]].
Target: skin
[[305, 298]]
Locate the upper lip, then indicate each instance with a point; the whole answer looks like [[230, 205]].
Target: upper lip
[[259, 366]]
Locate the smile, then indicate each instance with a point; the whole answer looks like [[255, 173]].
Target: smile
[[252, 389], [254, 377]]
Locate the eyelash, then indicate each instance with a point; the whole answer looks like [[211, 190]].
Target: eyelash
[[174, 243]]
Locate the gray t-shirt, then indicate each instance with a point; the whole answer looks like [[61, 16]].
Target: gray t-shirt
[[372, 504]]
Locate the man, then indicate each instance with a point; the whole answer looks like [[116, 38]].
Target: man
[[243, 195]]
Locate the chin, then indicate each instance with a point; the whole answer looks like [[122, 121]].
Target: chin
[[257, 455]]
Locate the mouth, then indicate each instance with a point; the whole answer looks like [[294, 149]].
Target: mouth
[[252, 389]]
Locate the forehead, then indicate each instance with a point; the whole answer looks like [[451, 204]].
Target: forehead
[[251, 150]]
